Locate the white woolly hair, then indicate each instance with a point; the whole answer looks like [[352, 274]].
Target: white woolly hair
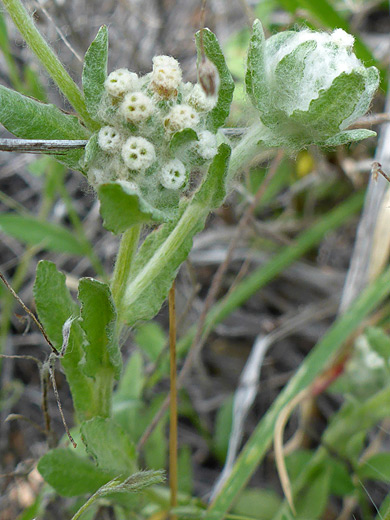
[[138, 153], [136, 107], [109, 139], [180, 117], [121, 81], [173, 175], [166, 72], [332, 56]]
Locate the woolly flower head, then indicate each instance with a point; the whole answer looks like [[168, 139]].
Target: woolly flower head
[[109, 139], [207, 145], [180, 117], [166, 76], [138, 153], [121, 81], [198, 99], [307, 86], [136, 107], [173, 175]]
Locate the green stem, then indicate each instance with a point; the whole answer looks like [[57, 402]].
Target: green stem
[[49, 60], [189, 220], [124, 261]]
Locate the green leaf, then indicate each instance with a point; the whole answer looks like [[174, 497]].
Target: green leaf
[[348, 136], [109, 445], [132, 379], [95, 71], [151, 338], [32, 231], [223, 427], [257, 503], [71, 475], [379, 342], [30, 119], [255, 78], [213, 190], [121, 207], [313, 503], [54, 306], [98, 322], [376, 467], [182, 138], [331, 108], [213, 52]]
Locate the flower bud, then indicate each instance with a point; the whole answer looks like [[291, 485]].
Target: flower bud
[[173, 175], [180, 117], [138, 153], [136, 107], [166, 76], [121, 81], [198, 99], [109, 139], [308, 86]]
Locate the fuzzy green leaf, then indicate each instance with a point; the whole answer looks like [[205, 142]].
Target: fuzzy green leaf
[[121, 208], [98, 322], [182, 138], [71, 475], [326, 113], [109, 445], [32, 231], [30, 119], [255, 78], [348, 136], [95, 71], [376, 467], [54, 306], [213, 190], [213, 52]]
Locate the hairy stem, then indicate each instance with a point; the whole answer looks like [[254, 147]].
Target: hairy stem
[[47, 57]]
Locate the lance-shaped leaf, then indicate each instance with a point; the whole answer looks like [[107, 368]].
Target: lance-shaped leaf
[[54, 306], [46, 235], [30, 119], [182, 139], [209, 196], [95, 71], [109, 445], [121, 207], [71, 475], [98, 322], [255, 78], [348, 136], [213, 52]]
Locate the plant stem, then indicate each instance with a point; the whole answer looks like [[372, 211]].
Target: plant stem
[[49, 60], [189, 220], [173, 402], [124, 261]]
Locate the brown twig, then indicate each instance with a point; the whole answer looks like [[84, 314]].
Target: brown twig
[[173, 401], [41, 145]]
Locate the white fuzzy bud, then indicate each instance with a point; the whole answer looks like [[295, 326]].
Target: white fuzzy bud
[[199, 100], [180, 117], [207, 145], [109, 139], [138, 153], [121, 81], [136, 107], [173, 175], [166, 76]]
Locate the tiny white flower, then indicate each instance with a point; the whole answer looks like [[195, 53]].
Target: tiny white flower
[[180, 117], [199, 100], [166, 75], [173, 175], [109, 139], [138, 153], [121, 81], [207, 145], [136, 107]]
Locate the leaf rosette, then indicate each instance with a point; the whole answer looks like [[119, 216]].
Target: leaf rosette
[[308, 87]]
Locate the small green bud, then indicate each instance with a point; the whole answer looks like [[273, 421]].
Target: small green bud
[[308, 86]]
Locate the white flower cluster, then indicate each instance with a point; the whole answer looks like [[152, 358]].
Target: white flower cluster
[[141, 116]]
